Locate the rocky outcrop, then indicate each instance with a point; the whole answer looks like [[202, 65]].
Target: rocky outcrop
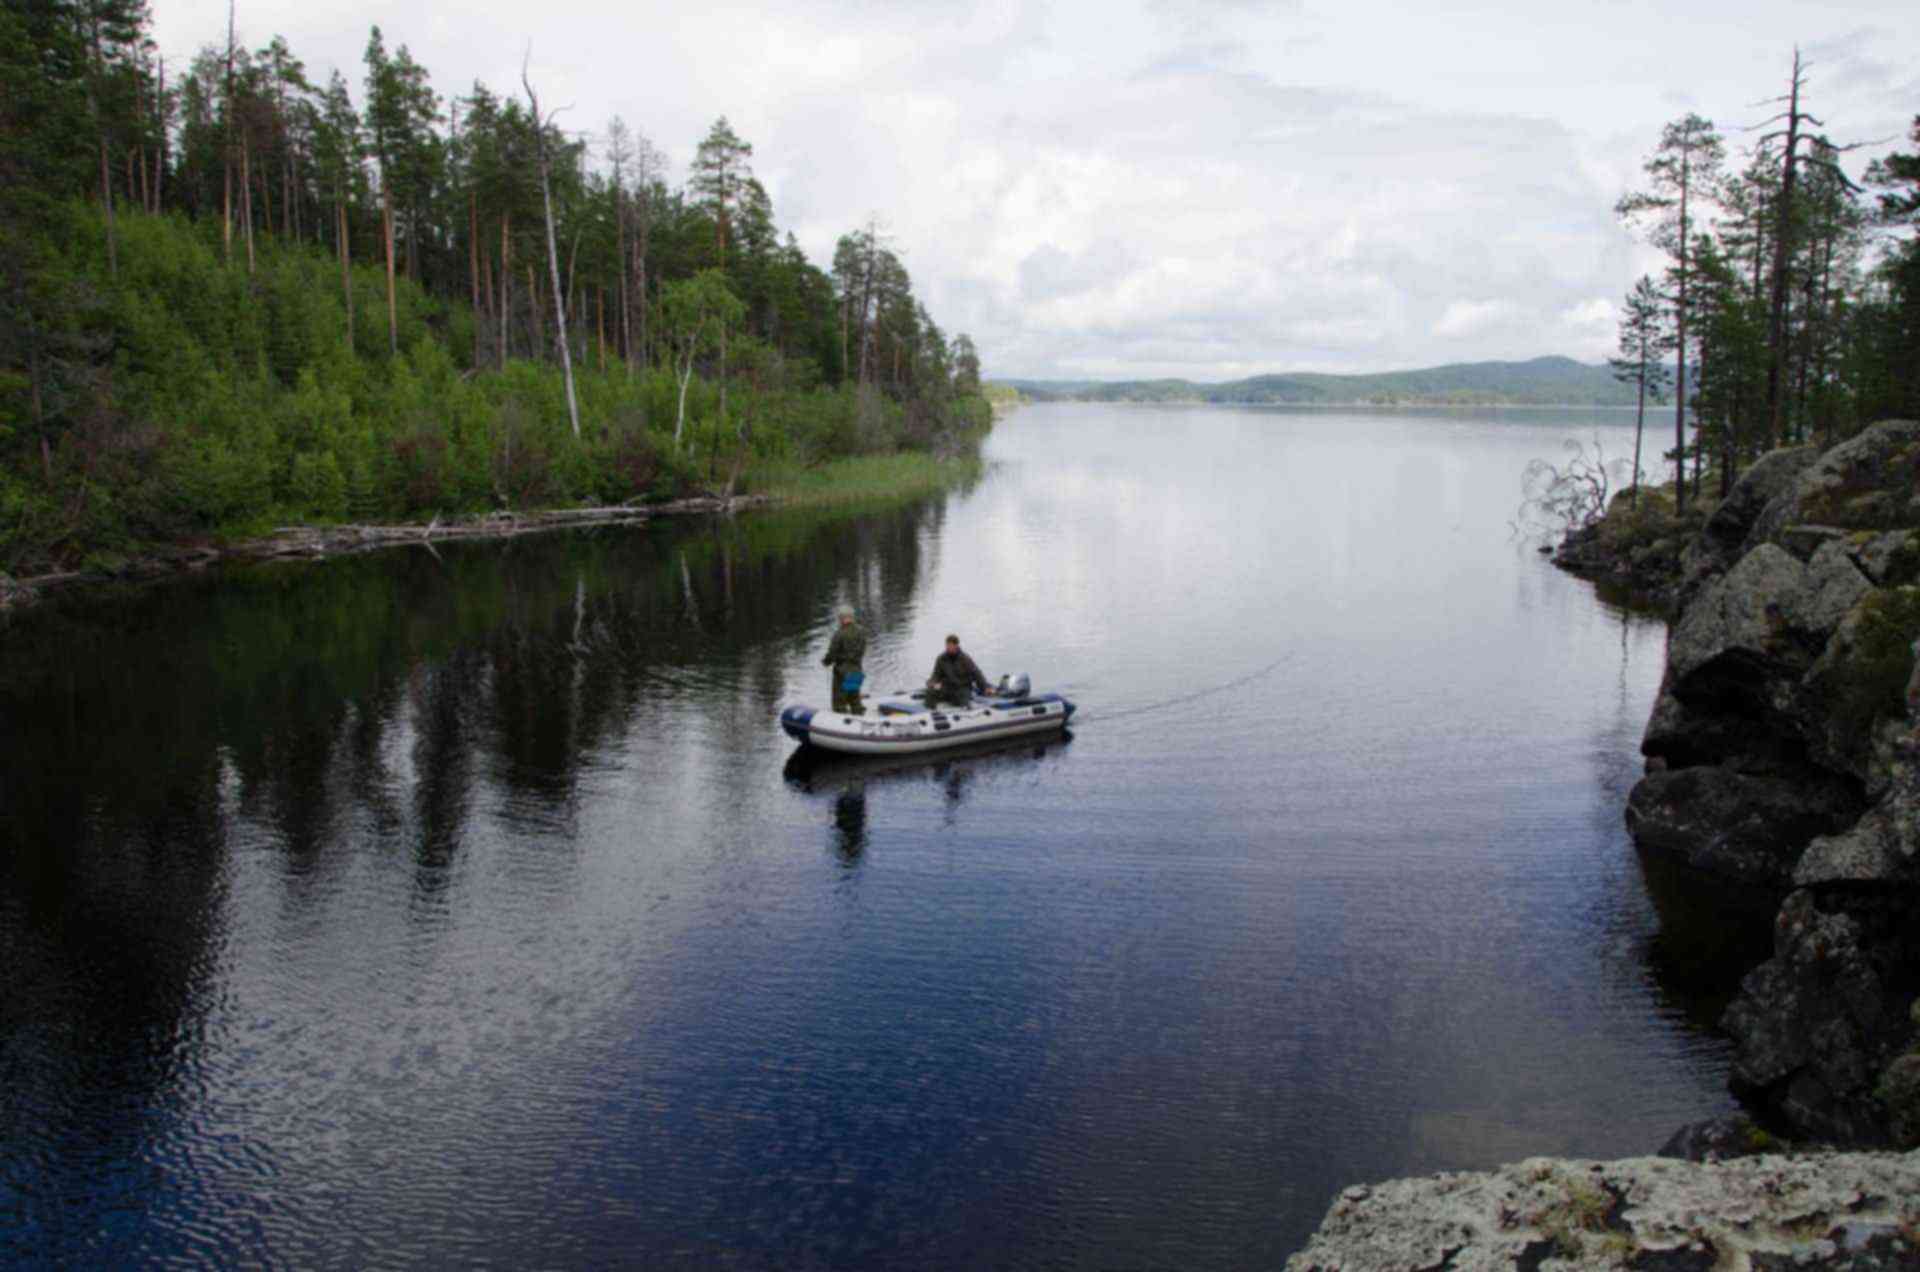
[[1840, 1210], [1784, 749], [1635, 552], [1723, 539], [1818, 1023], [1744, 827]]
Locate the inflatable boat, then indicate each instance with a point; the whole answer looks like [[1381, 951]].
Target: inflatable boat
[[818, 772], [903, 724]]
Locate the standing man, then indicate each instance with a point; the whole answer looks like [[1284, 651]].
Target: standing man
[[953, 675], [845, 654]]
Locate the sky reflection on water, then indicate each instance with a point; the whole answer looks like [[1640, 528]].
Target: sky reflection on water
[[472, 908]]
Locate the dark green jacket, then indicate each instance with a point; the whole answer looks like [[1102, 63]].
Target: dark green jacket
[[847, 648], [958, 670]]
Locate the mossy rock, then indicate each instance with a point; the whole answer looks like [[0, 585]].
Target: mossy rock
[[1869, 683], [1903, 565], [1899, 1092], [1868, 496]]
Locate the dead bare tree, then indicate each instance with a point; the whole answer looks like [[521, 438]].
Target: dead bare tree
[[1783, 236], [1558, 499], [553, 252]]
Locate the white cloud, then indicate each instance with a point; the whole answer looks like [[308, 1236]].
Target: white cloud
[[1205, 188], [1473, 317], [1597, 314]]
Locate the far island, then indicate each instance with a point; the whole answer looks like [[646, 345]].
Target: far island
[[1548, 381]]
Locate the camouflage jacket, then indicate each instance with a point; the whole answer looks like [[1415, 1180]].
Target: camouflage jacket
[[847, 648]]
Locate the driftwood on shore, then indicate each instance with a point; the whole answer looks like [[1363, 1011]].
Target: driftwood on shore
[[321, 541]]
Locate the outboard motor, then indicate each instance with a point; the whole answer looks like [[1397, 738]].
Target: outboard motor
[[1014, 686]]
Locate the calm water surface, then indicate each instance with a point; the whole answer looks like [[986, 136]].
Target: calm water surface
[[470, 907]]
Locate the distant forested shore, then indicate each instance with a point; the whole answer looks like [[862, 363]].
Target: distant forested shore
[[1549, 381], [232, 298]]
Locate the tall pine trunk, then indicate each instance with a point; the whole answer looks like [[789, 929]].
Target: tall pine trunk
[[1782, 241], [506, 279], [346, 265], [386, 223], [1639, 427], [246, 198], [473, 274], [1680, 348]]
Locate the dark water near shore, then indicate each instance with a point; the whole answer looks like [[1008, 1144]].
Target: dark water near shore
[[469, 907]]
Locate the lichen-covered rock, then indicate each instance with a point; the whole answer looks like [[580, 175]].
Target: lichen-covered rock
[[1868, 482], [1883, 847], [1834, 585], [1722, 540], [1742, 619], [1806, 540], [1848, 704], [1747, 828], [1816, 1025], [1843, 1210], [1890, 559]]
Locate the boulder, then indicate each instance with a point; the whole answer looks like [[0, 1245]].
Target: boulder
[[1834, 585], [1846, 705], [1804, 541], [1815, 1026], [1719, 1139], [1723, 539], [1890, 559], [1741, 619], [1867, 482], [1899, 1093], [1734, 825], [1883, 847], [1759, 740]]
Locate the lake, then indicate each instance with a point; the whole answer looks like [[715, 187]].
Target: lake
[[468, 906]]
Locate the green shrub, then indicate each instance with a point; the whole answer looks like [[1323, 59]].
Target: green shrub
[[317, 487]]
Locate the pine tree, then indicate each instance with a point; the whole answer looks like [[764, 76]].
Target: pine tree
[[1645, 340], [1684, 169]]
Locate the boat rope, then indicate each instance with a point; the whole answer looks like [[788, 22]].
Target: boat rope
[[1185, 698]]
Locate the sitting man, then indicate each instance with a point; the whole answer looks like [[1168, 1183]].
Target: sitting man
[[953, 675]]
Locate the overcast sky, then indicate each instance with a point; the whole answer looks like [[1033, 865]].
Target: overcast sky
[[1205, 189]]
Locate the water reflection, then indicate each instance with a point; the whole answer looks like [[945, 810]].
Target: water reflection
[[392, 703], [846, 779], [468, 906], [850, 820], [1710, 934]]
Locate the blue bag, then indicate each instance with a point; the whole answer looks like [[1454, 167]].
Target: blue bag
[[853, 682]]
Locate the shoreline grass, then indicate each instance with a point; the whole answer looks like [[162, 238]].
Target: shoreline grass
[[865, 479]]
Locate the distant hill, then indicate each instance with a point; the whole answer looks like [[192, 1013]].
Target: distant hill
[[1538, 382]]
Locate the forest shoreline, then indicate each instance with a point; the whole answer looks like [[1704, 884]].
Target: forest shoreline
[[156, 562]]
